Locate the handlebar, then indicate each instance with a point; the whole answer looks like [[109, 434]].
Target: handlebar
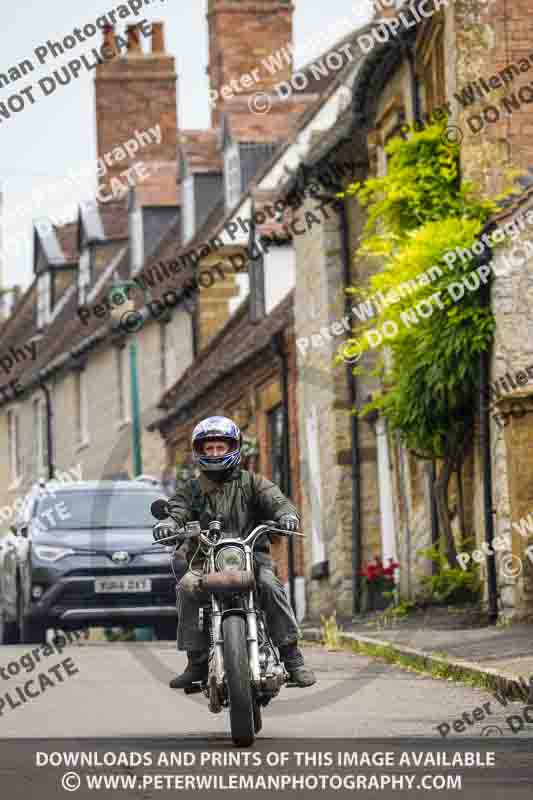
[[259, 530]]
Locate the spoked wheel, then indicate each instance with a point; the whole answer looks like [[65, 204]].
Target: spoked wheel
[[258, 719], [241, 704]]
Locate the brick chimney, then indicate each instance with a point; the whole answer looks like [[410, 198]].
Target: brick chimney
[[136, 91], [241, 34]]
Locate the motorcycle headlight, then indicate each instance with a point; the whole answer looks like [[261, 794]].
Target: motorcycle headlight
[[46, 553], [232, 558]]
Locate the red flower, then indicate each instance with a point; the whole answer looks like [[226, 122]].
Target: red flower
[[390, 569], [374, 570]]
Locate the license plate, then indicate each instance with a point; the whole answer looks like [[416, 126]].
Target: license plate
[[109, 585]]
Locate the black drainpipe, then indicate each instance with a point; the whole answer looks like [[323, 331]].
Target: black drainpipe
[[354, 437], [48, 400], [279, 350], [485, 447]]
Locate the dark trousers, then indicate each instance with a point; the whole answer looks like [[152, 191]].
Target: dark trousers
[[280, 619]]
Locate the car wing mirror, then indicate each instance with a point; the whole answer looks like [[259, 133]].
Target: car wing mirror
[[23, 531]]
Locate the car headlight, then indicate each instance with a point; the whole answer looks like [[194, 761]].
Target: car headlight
[[46, 553], [232, 558]]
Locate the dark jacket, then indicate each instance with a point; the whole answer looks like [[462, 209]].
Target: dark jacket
[[240, 502]]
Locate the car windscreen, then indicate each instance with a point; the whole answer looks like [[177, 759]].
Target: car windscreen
[[93, 510]]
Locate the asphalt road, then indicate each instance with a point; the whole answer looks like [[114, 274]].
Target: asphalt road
[[121, 689]]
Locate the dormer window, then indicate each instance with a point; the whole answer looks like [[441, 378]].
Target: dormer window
[[189, 215], [232, 176], [84, 275], [44, 299]]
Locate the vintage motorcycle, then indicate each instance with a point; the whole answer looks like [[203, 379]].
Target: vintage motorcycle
[[245, 669]]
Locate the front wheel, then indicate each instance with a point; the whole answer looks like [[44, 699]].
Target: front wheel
[[258, 718], [238, 680]]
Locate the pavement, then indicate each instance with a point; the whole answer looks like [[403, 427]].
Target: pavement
[[459, 639]]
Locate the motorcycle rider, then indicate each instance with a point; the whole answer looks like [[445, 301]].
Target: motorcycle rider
[[240, 500]]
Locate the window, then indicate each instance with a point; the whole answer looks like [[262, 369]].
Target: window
[[167, 356], [232, 176], [15, 460], [44, 292], [40, 436], [275, 425], [82, 409], [122, 385], [84, 275], [431, 62], [189, 221]]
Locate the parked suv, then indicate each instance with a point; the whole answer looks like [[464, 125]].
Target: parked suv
[[91, 560]]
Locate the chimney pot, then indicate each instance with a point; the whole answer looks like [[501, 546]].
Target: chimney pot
[[387, 9], [134, 40], [110, 49], [158, 37]]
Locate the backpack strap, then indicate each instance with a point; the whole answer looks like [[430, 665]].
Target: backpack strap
[[245, 480], [198, 499]]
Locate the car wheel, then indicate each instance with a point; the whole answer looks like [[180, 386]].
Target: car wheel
[[30, 632], [167, 629], [33, 633], [9, 632]]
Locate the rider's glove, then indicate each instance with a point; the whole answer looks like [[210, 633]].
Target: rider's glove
[[166, 531], [289, 522]]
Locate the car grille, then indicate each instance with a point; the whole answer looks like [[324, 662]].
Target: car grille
[[76, 599]]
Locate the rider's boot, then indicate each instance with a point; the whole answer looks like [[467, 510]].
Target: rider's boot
[[196, 670], [292, 657]]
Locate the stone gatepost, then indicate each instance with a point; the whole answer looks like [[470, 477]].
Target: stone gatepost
[[516, 414]]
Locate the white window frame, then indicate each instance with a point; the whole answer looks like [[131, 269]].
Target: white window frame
[[39, 432], [167, 358], [123, 406], [82, 409], [15, 452], [189, 211], [44, 296], [232, 176], [137, 240], [84, 275]]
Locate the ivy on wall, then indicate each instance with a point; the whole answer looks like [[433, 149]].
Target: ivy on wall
[[419, 211]]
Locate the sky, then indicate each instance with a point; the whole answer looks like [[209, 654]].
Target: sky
[[55, 135]]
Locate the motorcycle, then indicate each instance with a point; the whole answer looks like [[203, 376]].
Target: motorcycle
[[245, 670]]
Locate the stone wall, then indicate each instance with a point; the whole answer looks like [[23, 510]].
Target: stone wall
[[512, 297]]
